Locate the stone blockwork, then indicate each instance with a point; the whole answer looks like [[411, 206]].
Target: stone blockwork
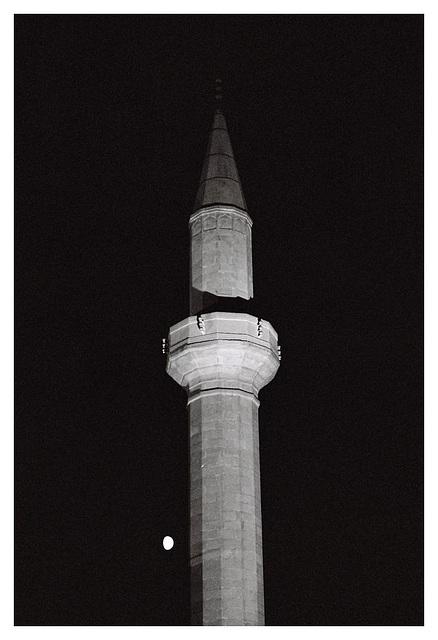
[[221, 254], [225, 514]]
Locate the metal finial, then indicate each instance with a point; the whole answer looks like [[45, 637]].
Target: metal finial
[[218, 90]]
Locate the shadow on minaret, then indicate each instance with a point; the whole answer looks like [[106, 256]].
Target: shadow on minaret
[[208, 303]]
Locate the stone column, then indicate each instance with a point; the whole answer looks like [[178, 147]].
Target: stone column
[[225, 512]]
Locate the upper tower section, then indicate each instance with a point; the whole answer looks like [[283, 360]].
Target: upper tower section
[[220, 181], [220, 229]]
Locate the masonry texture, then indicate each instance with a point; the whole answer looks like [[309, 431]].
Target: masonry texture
[[225, 511], [221, 254], [222, 359]]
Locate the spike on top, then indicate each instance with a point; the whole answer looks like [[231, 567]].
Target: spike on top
[[218, 90], [220, 181]]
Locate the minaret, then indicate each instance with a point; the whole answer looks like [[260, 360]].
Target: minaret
[[222, 359]]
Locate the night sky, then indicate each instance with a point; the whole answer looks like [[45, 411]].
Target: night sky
[[112, 121]]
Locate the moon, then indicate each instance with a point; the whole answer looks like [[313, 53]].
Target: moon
[[168, 543]]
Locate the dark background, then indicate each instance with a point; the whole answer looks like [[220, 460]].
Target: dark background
[[112, 121]]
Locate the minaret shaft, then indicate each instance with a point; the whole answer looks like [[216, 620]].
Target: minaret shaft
[[223, 363], [225, 510]]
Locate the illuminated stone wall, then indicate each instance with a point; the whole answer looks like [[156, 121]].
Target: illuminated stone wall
[[221, 254], [225, 513]]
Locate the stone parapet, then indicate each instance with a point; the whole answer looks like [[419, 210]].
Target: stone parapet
[[222, 351]]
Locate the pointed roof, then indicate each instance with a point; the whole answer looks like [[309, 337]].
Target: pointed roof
[[220, 182]]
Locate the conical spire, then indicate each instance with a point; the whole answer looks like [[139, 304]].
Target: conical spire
[[220, 182]]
